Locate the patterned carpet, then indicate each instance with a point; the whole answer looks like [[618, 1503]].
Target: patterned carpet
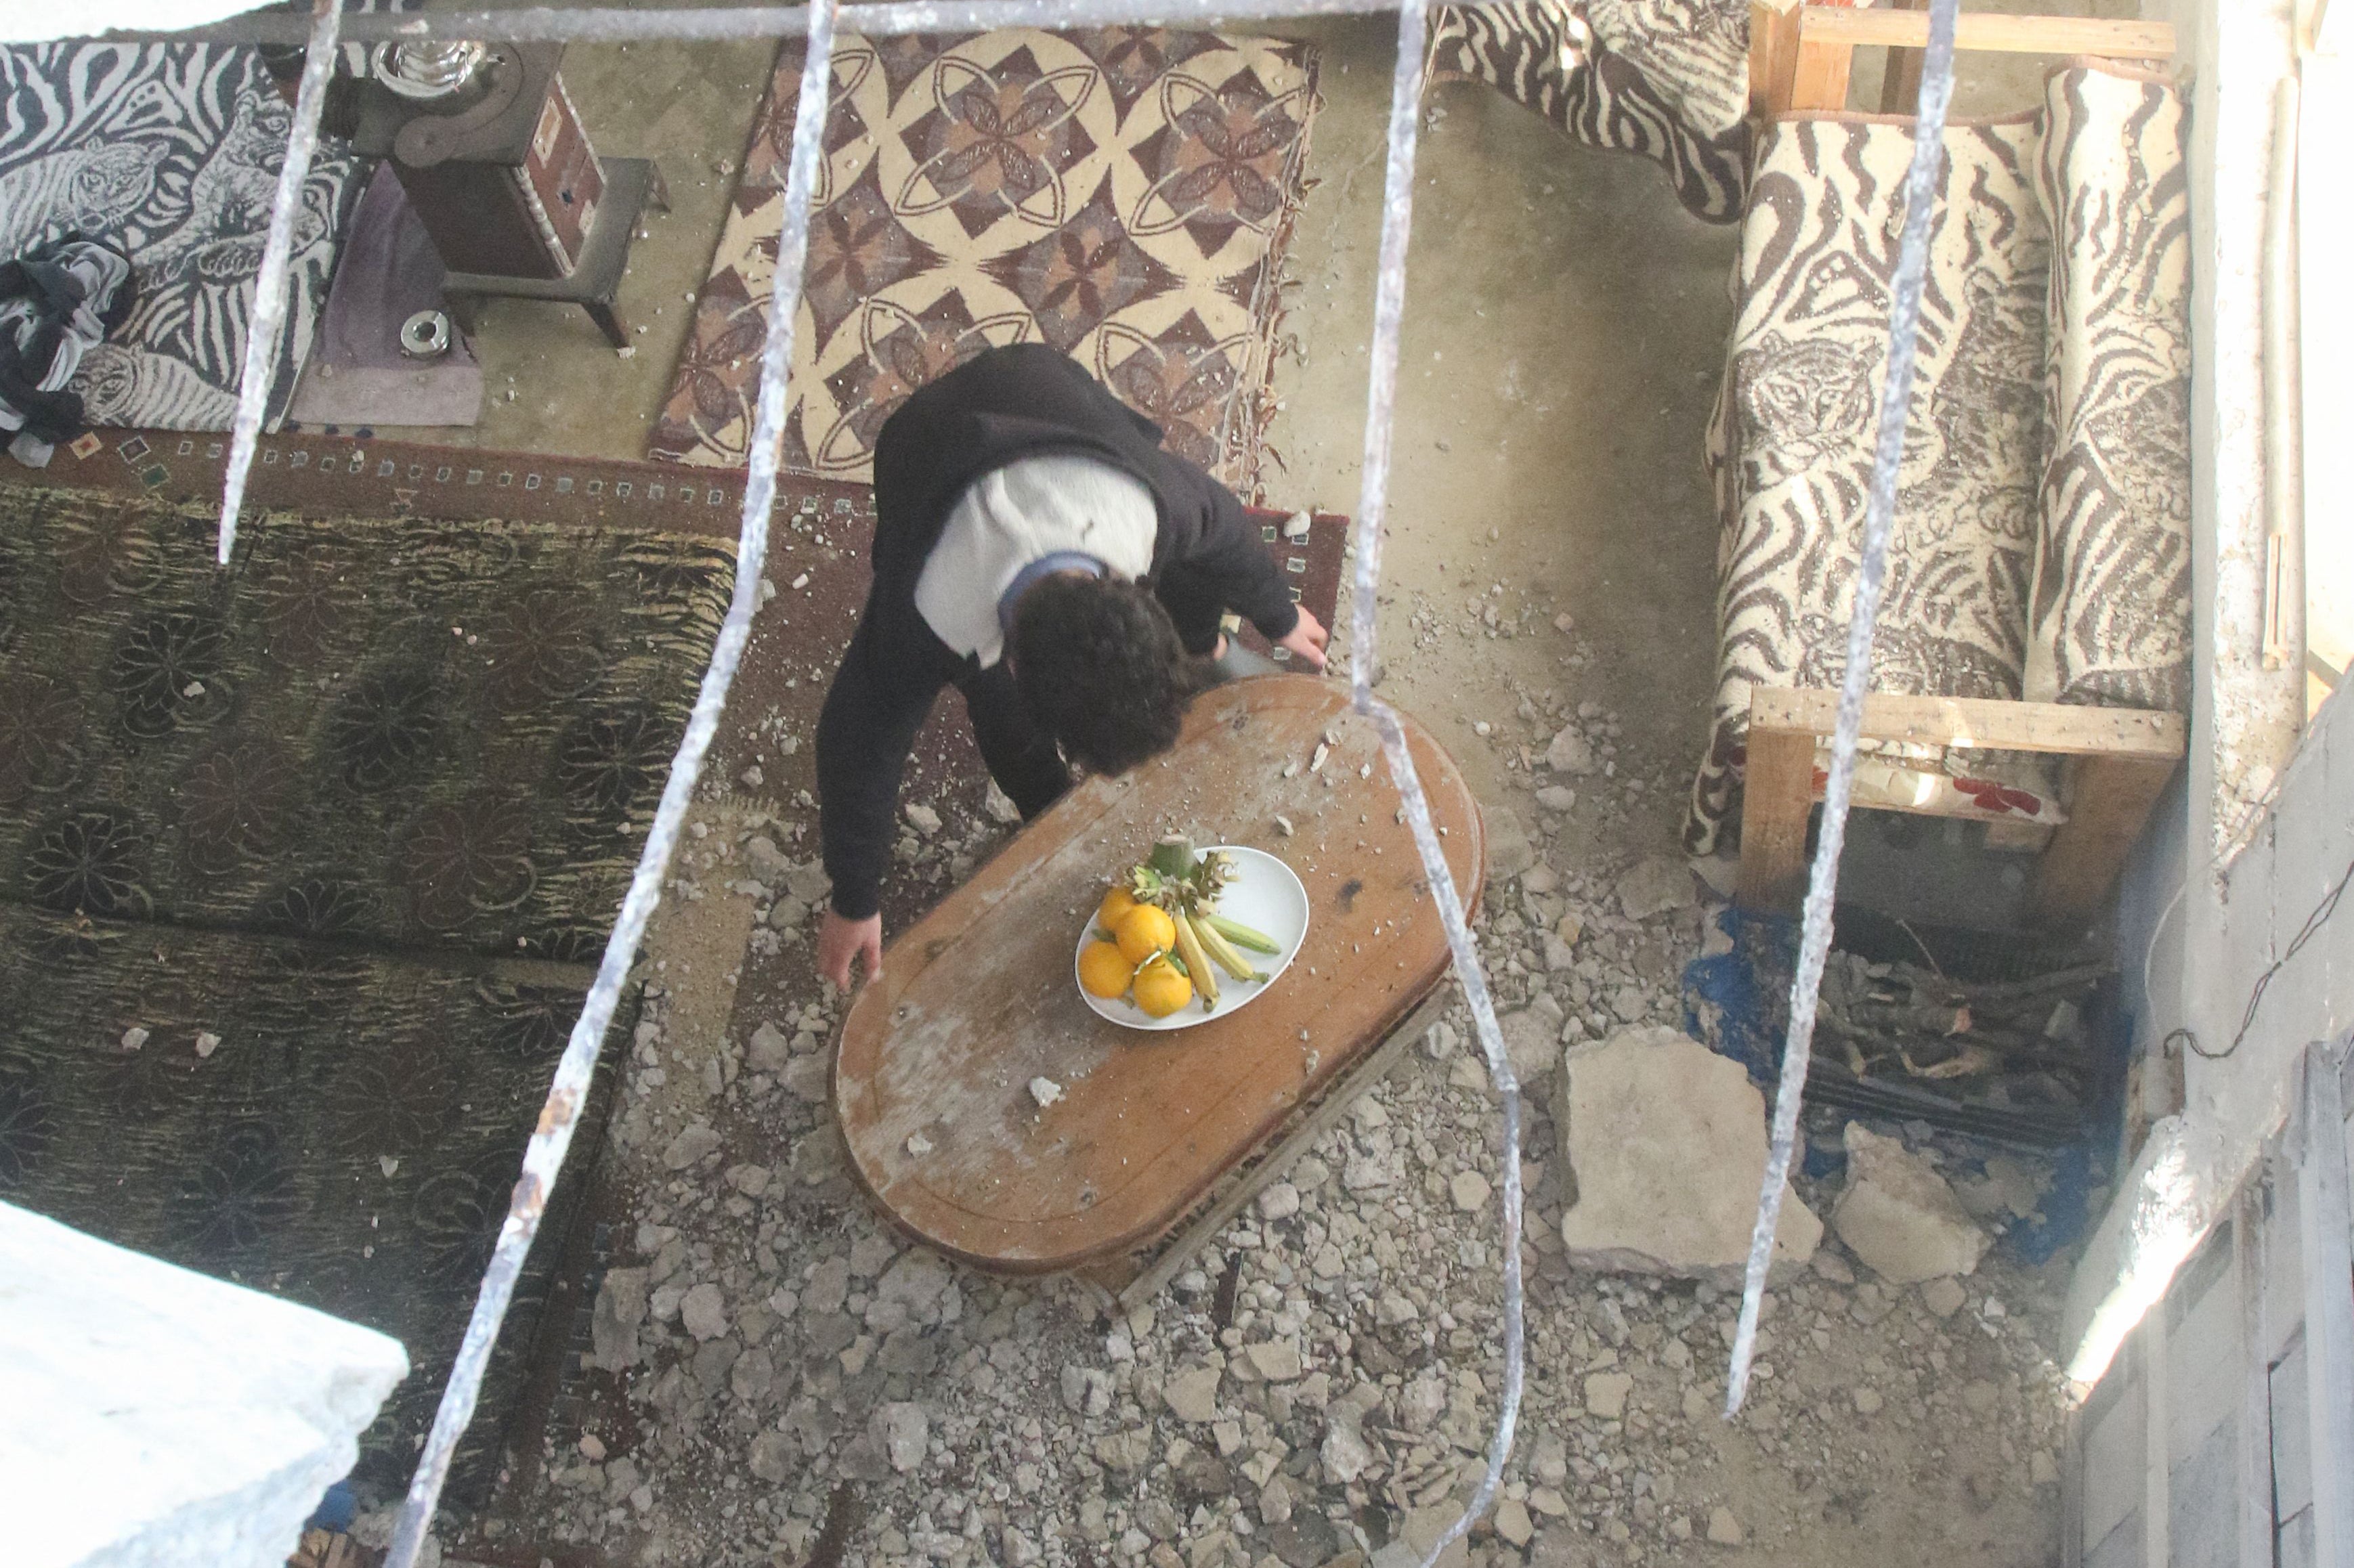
[[1125, 196], [302, 869]]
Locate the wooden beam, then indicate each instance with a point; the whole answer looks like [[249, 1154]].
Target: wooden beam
[[1777, 793], [1900, 82], [2109, 802], [1819, 77], [1855, 27], [1773, 52], [2057, 727]]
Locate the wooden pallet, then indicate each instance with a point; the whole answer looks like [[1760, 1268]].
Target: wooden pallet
[[2120, 759], [1799, 56]]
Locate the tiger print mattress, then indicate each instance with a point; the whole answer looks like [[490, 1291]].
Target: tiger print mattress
[[170, 152], [1666, 79], [2041, 548]]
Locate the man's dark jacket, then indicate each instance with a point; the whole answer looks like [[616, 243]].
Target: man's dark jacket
[[1004, 405]]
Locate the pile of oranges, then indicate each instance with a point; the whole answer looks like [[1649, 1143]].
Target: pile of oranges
[[1135, 961]]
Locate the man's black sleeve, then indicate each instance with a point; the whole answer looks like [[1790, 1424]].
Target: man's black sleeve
[[894, 669], [1224, 565]]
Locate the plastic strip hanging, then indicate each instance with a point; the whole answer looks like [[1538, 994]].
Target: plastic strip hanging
[[1871, 575], [710, 24], [544, 1156], [1381, 408], [268, 323]]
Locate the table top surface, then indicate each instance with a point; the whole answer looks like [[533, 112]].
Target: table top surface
[[934, 1063]]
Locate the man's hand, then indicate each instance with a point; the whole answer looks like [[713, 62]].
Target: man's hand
[[1308, 640], [838, 940]]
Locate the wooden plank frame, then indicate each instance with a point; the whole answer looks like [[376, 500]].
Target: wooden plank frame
[[1799, 58], [2120, 761]]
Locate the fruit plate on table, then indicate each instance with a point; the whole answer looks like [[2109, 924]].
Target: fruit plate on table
[[1265, 895]]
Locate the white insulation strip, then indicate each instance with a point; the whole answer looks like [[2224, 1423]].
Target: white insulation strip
[[268, 323], [610, 25], [544, 1156], [1381, 410], [1872, 576]]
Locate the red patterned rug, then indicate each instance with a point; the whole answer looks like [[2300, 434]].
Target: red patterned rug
[[1125, 196]]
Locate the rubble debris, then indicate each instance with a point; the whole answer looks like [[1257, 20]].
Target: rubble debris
[[1898, 1216], [1654, 887], [1046, 1091], [1666, 1143]]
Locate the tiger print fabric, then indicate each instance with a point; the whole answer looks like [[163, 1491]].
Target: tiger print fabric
[[1664, 78], [170, 153], [2112, 622], [2024, 337]]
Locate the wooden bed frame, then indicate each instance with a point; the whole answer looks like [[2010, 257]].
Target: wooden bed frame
[[1800, 56], [2120, 760]]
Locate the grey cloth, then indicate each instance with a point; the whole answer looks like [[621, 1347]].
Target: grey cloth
[[1237, 661]]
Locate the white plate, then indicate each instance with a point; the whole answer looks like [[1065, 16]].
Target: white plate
[[1266, 895]]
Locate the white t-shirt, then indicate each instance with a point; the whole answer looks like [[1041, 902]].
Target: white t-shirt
[[1016, 514]]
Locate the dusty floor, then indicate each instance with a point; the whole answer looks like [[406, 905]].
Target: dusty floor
[[796, 1385]]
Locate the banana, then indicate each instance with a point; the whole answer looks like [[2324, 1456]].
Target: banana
[[1199, 969], [1242, 936], [1214, 942]]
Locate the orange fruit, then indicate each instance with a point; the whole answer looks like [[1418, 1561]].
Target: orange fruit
[[1144, 931], [1160, 988], [1103, 970], [1116, 903]]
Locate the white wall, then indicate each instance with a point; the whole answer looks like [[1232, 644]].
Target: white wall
[[2247, 874]]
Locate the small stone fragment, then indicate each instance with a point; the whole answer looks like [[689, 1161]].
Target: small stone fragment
[[1194, 1396], [1942, 1296], [1046, 1091], [1569, 752], [766, 1051], [134, 1037], [923, 820], [1277, 1361], [1513, 1522], [1723, 1530], [703, 1311], [1605, 1394], [900, 1429], [918, 1145], [1654, 887], [694, 1143], [1279, 1202], [1868, 1401], [206, 1043], [1469, 1190]]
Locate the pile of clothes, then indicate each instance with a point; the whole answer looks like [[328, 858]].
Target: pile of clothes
[[57, 303]]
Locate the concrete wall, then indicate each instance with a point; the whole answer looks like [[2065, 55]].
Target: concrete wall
[[2262, 820]]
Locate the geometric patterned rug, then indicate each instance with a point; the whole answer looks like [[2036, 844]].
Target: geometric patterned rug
[[1123, 194]]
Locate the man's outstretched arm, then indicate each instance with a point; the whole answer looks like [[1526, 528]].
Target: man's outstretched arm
[[880, 697]]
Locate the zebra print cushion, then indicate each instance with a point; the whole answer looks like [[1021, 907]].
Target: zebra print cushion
[[2022, 338], [2112, 594], [1665, 78], [171, 153]]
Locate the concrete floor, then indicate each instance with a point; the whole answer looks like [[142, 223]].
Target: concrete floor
[[1564, 329]]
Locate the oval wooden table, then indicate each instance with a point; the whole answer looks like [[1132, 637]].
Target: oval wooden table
[[933, 1065]]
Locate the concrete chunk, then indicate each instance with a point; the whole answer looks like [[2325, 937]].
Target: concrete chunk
[[1898, 1215], [1665, 1142]]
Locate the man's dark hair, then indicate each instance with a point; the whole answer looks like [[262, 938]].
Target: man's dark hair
[[1098, 666]]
